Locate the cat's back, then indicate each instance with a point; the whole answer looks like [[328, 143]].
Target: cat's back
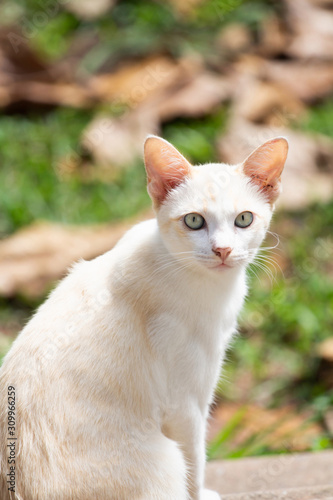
[[85, 293], [69, 362], [80, 322]]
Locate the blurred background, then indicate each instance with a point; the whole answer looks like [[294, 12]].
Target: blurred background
[[83, 82]]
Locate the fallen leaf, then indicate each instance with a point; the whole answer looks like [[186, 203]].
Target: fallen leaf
[[26, 80], [198, 98], [18, 60], [328, 418], [87, 9], [274, 37], [185, 7], [307, 176], [185, 91], [133, 82], [115, 143], [53, 94], [265, 102], [325, 349], [306, 80], [323, 3], [36, 256], [312, 28], [234, 39]]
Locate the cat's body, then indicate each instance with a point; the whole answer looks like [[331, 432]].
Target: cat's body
[[115, 373]]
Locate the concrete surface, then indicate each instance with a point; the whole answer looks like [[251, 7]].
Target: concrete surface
[[319, 493], [299, 476]]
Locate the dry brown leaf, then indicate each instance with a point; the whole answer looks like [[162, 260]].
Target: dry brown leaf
[[53, 94], [18, 60], [273, 37], [135, 82], [36, 256], [234, 39], [115, 143], [328, 417], [265, 102], [185, 7], [198, 98], [175, 90], [88, 9], [286, 427], [26, 79], [312, 28], [325, 349], [308, 81], [308, 173], [323, 3]]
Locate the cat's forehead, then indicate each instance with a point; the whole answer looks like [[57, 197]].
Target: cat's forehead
[[215, 179], [218, 187]]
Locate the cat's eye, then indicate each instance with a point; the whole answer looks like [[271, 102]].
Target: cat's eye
[[244, 219], [194, 221]]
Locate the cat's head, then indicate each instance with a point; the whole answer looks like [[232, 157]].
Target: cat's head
[[214, 216]]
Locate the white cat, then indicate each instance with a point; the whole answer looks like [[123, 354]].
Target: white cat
[[114, 375]]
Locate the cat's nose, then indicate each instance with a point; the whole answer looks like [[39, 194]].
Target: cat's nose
[[223, 253]]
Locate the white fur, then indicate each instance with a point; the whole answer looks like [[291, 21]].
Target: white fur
[[115, 373]]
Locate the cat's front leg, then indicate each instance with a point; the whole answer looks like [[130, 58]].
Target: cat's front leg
[[189, 432], [210, 495]]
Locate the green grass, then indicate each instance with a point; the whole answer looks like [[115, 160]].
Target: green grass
[[283, 320], [196, 138], [130, 28], [319, 119], [224, 446], [31, 150]]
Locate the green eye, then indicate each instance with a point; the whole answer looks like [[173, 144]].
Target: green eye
[[194, 221], [244, 219]]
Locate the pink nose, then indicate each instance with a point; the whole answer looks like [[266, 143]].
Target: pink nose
[[223, 253]]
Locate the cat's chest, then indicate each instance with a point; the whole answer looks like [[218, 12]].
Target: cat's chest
[[188, 343]]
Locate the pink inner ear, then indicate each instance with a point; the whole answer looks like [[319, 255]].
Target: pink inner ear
[[265, 165], [166, 168]]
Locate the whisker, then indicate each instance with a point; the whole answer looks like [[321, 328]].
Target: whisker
[[167, 265], [270, 260], [267, 270]]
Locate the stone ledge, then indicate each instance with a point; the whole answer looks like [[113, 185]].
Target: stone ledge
[[278, 473], [319, 493]]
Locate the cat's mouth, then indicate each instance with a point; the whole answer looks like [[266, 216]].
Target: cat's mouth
[[219, 266], [223, 265]]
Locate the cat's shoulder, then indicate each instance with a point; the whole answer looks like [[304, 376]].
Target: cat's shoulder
[[140, 234], [95, 272], [141, 231]]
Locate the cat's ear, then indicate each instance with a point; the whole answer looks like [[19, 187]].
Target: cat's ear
[[264, 166], [166, 168]]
